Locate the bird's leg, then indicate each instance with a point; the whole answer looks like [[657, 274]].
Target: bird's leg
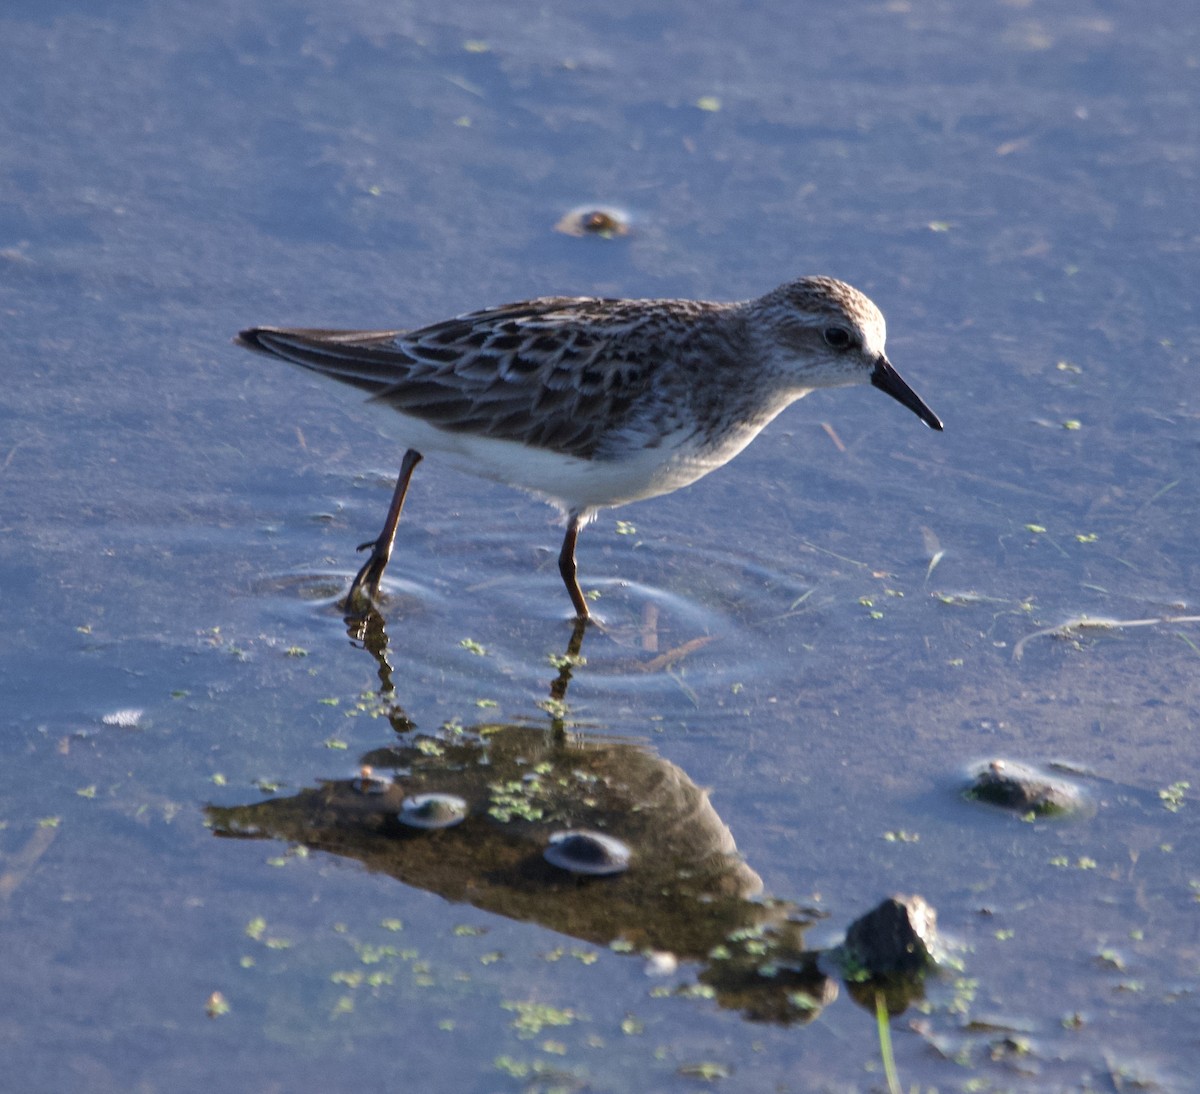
[[566, 565], [366, 583], [557, 707]]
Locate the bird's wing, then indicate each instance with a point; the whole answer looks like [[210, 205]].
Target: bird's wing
[[556, 373]]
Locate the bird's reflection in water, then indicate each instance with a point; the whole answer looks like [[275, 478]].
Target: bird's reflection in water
[[368, 630], [685, 891]]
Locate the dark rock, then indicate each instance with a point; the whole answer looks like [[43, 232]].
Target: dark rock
[[1025, 789], [896, 938]]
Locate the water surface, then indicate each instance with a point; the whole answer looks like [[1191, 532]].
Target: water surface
[[824, 633]]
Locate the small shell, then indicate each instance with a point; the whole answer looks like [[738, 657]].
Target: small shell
[[579, 851], [432, 811]]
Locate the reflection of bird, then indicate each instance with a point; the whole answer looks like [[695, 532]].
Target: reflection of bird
[[593, 403]]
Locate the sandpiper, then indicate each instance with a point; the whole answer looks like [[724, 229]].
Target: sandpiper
[[592, 403]]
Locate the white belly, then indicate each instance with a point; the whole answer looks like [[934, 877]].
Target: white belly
[[572, 483], [567, 481]]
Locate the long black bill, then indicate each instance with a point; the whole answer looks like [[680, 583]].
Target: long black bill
[[888, 380]]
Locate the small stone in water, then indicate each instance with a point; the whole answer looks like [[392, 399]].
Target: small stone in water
[[432, 811], [1024, 788], [594, 220]]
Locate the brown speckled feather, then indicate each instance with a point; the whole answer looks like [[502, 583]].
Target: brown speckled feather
[[558, 373]]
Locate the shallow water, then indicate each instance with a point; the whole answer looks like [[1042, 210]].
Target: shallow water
[[827, 633]]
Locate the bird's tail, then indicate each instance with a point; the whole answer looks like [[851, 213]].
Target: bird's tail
[[367, 359]]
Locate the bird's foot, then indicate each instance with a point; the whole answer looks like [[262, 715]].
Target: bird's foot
[[365, 587]]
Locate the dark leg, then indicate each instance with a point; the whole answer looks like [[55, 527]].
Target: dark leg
[[557, 707], [566, 565], [366, 584]]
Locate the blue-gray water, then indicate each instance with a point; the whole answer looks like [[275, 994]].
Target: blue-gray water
[[1014, 185]]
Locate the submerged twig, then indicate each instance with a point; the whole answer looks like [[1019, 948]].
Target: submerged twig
[[969, 476], [837, 441], [674, 656], [1085, 622], [834, 554], [22, 863]]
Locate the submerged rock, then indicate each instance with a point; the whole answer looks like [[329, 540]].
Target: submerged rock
[[432, 811], [1025, 789], [594, 220]]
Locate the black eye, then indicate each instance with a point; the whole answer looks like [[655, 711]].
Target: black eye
[[838, 337]]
